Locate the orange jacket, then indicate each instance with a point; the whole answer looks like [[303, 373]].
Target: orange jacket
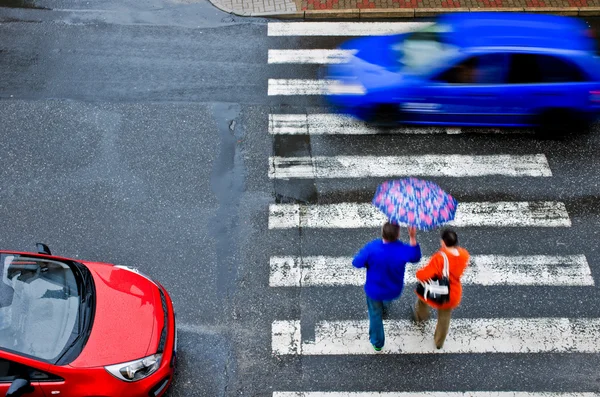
[[457, 263]]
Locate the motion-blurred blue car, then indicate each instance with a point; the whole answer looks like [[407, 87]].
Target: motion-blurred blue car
[[474, 69]]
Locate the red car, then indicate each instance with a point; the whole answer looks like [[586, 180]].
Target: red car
[[79, 329]]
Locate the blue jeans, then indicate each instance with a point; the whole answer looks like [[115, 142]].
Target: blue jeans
[[376, 334]]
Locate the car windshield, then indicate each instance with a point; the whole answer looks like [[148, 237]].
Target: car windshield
[[39, 306], [425, 48]]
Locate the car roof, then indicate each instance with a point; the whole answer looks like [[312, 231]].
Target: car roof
[[492, 29]]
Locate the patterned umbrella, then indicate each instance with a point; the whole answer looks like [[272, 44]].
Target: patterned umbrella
[[415, 202]]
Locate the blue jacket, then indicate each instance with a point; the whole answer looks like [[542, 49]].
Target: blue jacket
[[385, 263]]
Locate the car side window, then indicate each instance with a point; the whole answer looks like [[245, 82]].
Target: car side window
[[10, 370], [481, 69], [537, 68], [559, 70]]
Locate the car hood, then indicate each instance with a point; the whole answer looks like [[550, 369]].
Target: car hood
[[126, 324], [373, 63], [375, 50]]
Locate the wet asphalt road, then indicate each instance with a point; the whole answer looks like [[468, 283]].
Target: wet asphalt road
[[136, 133]]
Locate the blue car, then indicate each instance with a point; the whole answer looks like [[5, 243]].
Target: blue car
[[474, 69]]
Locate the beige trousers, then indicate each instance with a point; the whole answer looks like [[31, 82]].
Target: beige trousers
[[422, 313]]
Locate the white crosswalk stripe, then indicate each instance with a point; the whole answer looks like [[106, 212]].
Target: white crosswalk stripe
[[468, 335], [451, 165], [331, 124], [355, 215], [311, 87], [534, 270], [339, 124], [321, 57], [432, 394], [347, 28]]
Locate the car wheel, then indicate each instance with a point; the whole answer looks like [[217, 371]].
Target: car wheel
[[383, 115], [560, 123]]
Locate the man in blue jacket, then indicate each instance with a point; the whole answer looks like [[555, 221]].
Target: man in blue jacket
[[385, 260]]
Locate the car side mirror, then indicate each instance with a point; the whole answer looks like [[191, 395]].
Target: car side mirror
[[19, 387], [43, 249]]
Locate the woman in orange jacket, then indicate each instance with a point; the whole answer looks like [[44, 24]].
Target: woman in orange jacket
[[458, 259]]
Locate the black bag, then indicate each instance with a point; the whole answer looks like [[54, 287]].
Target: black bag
[[436, 289]]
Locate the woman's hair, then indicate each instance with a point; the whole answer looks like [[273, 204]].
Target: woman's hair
[[449, 237]]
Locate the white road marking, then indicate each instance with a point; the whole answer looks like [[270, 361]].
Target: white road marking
[[317, 124], [451, 165], [285, 337], [430, 394], [342, 28], [533, 270], [311, 87], [467, 335], [363, 215], [341, 124], [321, 57]]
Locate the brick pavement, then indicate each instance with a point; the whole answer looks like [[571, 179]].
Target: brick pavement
[[360, 4], [398, 8]]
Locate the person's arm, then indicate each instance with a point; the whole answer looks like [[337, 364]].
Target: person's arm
[[431, 269], [413, 250], [412, 234], [360, 260]]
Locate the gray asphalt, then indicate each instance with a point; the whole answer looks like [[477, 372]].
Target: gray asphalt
[[136, 133]]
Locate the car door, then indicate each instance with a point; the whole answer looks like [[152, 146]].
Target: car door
[[14, 369], [469, 92], [538, 82]]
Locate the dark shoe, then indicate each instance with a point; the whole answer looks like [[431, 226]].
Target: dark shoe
[[386, 313]]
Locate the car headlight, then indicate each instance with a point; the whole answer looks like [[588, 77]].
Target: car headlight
[[135, 370], [341, 87], [136, 271]]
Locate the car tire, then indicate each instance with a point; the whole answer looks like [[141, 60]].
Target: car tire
[[383, 115], [560, 123]]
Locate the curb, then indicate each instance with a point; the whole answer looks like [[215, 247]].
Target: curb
[[359, 13]]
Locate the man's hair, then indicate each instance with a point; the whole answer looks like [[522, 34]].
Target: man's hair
[[449, 237], [390, 232]]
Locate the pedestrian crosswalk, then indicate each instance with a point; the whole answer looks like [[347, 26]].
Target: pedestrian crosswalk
[[312, 87], [338, 124], [469, 214], [319, 57], [534, 270], [450, 165], [477, 335], [469, 336], [342, 28]]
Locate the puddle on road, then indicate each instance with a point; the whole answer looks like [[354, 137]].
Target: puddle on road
[[20, 4]]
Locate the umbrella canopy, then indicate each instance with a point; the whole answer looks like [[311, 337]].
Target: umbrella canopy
[[415, 202]]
